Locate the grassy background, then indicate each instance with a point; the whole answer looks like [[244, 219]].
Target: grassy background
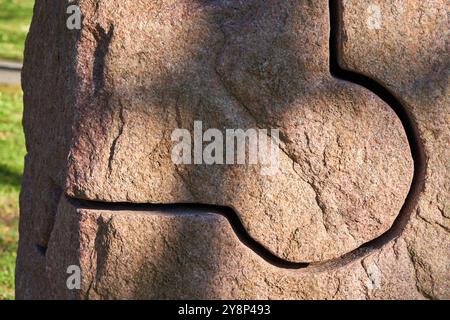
[[15, 17], [12, 151]]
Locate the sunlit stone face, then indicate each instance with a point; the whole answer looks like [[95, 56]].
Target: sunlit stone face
[[344, 166], [102, 105]]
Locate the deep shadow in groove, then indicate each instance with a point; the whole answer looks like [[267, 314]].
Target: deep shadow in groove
[[397, 227], [196, 209], [412, 133], [41, 250]]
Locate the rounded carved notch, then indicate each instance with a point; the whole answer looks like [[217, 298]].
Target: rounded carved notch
[[344, 168]]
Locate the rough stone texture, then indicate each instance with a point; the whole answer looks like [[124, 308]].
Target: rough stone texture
[[139, 69], [48, 82], [346, 158], [410, 56], [155, 255]]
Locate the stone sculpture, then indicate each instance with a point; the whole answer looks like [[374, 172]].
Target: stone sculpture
[[358, 207]]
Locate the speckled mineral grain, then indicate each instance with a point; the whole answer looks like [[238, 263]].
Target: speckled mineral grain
[[358, 207]]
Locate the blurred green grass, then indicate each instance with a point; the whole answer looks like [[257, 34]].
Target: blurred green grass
[[15, 18], [12, 152]]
